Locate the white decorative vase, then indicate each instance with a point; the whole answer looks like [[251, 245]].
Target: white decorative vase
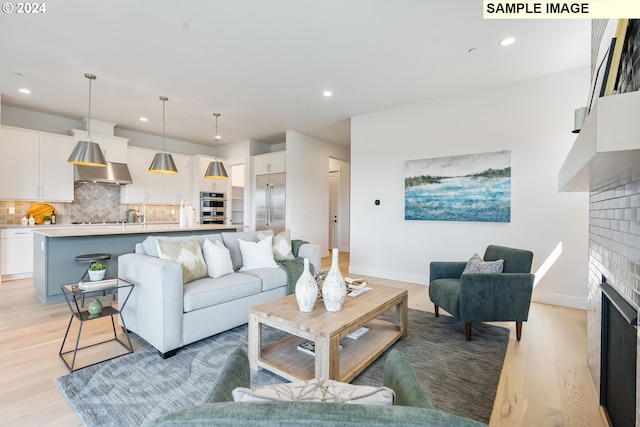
[[333, 289], [95, 275], [306, 290]]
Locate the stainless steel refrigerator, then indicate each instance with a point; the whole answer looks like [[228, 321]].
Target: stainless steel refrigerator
[[270, 202]]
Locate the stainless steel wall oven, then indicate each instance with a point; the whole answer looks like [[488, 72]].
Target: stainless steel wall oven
[[212, 208]]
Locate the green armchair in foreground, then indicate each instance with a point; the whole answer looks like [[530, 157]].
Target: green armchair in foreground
[[485, 297], [412, 405]]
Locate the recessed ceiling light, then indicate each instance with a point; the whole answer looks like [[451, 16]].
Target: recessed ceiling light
[[24, 90], [143, 119], [327, 93], [507, 41]]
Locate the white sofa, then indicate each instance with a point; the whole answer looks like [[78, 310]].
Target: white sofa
[[169, 315]]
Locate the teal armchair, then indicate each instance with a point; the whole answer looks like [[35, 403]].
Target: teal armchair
[[485, 297]]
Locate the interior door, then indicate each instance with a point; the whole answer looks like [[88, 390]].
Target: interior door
[[334, 180]]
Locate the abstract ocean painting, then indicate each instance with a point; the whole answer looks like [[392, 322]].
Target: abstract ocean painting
[[470, 187]]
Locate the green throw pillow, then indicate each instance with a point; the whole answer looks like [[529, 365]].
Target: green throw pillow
[[188, 254]]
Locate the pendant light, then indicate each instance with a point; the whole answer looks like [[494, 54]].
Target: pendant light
[[86, 152], [163, 162], [216, 169]]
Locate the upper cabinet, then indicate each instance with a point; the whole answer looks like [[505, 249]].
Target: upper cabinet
[[35, 163], [156, 188], [114, 148], [204, 184], [269, 163]]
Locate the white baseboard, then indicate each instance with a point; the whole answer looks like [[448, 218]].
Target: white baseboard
[[385, 274], [561, 300], [541, 297]]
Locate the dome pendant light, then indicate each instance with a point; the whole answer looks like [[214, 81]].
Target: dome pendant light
[[216, 169], [163, 162], [86, 152]]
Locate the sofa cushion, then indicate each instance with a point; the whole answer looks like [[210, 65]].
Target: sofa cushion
[[317, 390], [257, 255], [478, 265], [272, 278], [217, 258], [208, 292], [230, 240], [188, 254]]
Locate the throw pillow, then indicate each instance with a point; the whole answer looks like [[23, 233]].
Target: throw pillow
[[282, 247], [263, 234], [257, 255], [218, 258], [317, 390], [188, 254], [478, 265]]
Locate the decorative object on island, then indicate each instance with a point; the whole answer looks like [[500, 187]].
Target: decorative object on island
[[216, 169], [163, 162], [87, 152], [95, 308], [333, 288], [306, 290], [97, 272]]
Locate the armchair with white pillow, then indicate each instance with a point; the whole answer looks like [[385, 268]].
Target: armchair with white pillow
[[189, 288]]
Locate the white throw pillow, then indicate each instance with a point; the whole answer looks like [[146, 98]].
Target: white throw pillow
[[317, 390], [188, 254], [478, 265], [218, 258], [257, 255]]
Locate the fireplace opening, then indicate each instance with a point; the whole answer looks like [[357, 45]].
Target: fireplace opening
[[618, 358]]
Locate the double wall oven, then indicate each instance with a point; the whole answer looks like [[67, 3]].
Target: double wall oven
[[212, 208]]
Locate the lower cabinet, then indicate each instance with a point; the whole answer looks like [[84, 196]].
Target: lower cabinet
[[16, 253]]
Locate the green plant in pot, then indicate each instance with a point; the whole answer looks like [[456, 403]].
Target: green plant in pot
[[97, 271], [47, 219]]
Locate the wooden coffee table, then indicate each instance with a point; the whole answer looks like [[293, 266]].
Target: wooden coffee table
[[328, 331]]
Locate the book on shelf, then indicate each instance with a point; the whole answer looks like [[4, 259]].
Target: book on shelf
[[358, 333], [98, 284], [309, 347]]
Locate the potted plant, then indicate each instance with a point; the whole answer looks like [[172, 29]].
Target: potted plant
[[97, 271], [47, 219]]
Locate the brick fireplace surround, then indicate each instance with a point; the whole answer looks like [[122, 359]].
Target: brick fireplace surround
[[614, 252]]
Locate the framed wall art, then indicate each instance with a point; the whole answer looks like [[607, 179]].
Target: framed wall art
[[471, 187]]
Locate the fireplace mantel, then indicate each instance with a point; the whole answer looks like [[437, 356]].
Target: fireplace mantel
[[607, 147]]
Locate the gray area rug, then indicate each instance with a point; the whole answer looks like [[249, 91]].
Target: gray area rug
[[460, 376]]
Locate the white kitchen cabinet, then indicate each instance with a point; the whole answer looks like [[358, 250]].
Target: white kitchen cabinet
[[156, 188], [205, 184], [16, 253], [269, 163], [35, 163], [114, 148]]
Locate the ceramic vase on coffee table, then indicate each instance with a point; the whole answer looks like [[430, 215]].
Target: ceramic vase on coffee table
[[333, 289], [306, 290]]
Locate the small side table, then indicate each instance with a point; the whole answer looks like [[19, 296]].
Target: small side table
[[74, 296]]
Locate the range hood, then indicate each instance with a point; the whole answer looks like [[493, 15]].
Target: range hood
[[114, 173]]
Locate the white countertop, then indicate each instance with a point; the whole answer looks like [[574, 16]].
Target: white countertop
[[100, 230]]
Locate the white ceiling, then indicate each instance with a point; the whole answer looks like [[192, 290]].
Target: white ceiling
[[263, 64]]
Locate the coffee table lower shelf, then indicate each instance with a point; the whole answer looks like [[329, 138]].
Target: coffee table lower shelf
[[285, 359]]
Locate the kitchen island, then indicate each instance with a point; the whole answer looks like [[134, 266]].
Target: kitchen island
[[55, 249]]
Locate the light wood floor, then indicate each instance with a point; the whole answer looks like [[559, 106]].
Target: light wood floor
[[544, 381]]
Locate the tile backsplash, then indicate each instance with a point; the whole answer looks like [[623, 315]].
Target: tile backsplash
[[93, 202]]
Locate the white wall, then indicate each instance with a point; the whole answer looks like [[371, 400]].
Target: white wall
[[533, 119], [307, 162]]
